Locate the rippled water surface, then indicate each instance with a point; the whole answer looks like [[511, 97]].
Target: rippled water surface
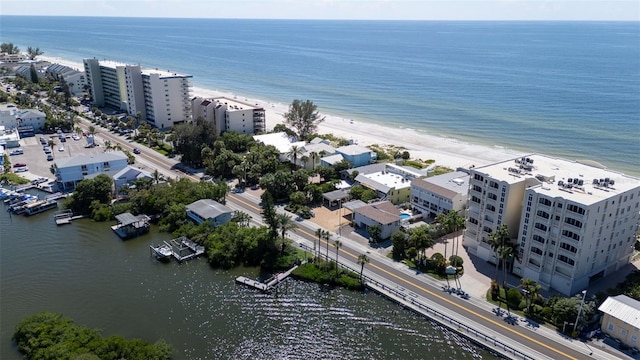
[[85, 272]]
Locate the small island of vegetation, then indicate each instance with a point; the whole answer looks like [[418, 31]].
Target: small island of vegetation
[[46, 335]]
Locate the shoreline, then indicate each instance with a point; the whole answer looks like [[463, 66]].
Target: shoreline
[[446, 151]]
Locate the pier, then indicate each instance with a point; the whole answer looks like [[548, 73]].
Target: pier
[[64, 217], [267, 285]]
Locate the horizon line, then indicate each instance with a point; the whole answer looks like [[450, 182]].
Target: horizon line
[[328, 19]]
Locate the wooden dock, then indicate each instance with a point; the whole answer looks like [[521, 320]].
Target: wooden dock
[[64, 217], [267, 285]]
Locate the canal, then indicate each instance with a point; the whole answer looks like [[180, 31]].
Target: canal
[[84, 271]]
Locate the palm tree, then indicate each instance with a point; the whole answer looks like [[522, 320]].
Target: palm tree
[[319, 234], [242, 218], [362, 260], [285, 223], [530, 289], [293, 154], [326, 235], [496, 241], [92, 130], [156, 176], [338, 245], [107, 146]]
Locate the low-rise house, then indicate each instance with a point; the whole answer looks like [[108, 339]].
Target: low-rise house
[[383, 214], [390, 182], [282, 142], [9, 138], [440, 194], [621, 319], [12, 117], [357, 155], [209, 210], [314, 151], [125, 177], [69, 171]]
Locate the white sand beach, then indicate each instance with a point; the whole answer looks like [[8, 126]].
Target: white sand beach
[[445, 151]]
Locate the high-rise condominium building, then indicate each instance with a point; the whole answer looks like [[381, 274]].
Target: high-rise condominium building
[[162, 98], [572, 223]]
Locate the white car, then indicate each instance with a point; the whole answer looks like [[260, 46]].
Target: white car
[[75, 137], [61, 149], [20, 169], [16, 152]]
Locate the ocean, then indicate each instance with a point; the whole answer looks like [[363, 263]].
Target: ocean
[[568, 89]]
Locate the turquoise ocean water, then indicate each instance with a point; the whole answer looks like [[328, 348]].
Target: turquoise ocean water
[[569, 89]]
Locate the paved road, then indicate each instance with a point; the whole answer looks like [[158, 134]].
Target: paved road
[[537, 341]]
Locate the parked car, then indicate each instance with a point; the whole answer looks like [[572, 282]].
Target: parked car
[[21, 169], [17, 165], [16, 152], [61, 149], [49, 157]]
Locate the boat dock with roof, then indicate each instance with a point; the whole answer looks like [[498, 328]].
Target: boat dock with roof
[[130, 225], [181, 249]]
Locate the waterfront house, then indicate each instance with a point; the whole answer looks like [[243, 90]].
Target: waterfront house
[[69, 171], [127, 176], [621, 319], [383, 213], [390, 182], [282, 142], [440, 194], [314, 151], [209, 210], [574, 222], [357, 155]]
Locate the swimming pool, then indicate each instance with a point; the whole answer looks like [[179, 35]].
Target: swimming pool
[[404, 216]]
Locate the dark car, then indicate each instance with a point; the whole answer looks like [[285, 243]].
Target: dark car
[[19, 165], [136, 151]]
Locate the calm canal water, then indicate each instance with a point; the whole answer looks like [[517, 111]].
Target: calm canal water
[[86, 272]]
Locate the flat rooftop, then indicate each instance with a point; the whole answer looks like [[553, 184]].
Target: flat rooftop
[[556, 177], [235, 104]]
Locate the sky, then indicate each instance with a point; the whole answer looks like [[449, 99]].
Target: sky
[[625, 10]]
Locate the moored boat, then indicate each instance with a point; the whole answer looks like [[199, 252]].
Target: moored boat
[[40, 206]]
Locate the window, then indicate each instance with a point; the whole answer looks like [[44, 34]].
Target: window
[[544, 201], [493, 184], [543, 214], [492, 196], [623, 333], [539, 238], [566, 259], [568, 247], [540, 226], [536, 250], [475, 199], [491, 207], [478, 177], [572, 221], [575, 209], [571, 235], [610, 327]]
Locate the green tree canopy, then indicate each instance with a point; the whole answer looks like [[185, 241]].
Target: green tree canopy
[[89, 190], [303, 117]]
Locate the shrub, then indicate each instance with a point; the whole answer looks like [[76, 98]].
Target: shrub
[[455, 260]]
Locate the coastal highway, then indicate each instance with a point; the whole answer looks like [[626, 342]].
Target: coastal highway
[[475, 311]]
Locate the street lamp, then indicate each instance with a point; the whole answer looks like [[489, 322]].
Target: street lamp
[[584, 294]]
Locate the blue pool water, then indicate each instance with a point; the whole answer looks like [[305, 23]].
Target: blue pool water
[[404, 216]]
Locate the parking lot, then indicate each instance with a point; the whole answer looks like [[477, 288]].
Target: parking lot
[[36, 159]]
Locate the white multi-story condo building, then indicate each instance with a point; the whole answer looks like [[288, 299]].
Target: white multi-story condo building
[[230, 115], [159, 97], [573, 223], [440, 194]]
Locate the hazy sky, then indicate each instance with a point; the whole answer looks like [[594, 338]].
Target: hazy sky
[[336, 9]]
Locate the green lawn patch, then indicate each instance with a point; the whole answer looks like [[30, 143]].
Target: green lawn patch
[[325, 273]]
